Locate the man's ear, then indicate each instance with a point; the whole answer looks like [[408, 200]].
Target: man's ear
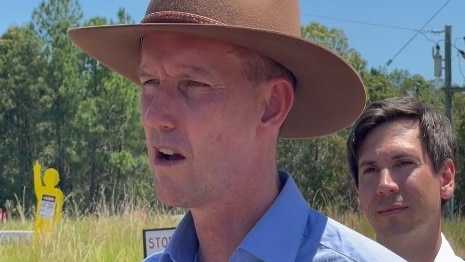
[[447, 176], [279, 101]]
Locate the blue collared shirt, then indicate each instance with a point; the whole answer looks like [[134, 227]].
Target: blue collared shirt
[[288, 231]]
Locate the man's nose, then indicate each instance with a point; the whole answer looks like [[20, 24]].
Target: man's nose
[[386, 184], [158, 108]]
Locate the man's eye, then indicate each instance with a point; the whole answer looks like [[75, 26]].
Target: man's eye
[[404, 163], [369, 170], [148, 87], [151, 82], [191, 83]]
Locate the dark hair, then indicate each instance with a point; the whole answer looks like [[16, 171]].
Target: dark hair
[[435, 129]]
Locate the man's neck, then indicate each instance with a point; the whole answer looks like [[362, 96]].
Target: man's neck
[[414, 246], [221, 228]]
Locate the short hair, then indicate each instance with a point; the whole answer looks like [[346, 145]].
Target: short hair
[[258, 68], [436, 132]]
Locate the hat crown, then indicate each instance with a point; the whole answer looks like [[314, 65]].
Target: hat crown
[[275, 15], [322, 103]]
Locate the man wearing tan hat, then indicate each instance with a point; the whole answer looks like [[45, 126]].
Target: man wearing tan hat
[[221, 81]]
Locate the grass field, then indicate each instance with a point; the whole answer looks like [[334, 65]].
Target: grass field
[[96, 238], [119, 238]]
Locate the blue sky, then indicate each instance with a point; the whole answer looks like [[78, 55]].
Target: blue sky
[[379, 30]]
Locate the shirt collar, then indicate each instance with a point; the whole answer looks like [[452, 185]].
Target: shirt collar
[[278, 234], [275, 237], [445, 253], [184, 243]]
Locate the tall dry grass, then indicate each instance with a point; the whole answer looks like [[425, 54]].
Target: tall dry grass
[[100, 237], [108, 237], [113, 238]]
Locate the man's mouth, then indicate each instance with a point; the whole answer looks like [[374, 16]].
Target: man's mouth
[[391, 210], [165, 154]]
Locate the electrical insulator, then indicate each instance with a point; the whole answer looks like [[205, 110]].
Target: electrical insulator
[[437, 59]]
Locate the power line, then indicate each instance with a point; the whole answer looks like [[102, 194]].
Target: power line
[[361, 22], [414, 35]]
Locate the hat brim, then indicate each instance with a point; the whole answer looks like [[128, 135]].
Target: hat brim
[[329, 94]]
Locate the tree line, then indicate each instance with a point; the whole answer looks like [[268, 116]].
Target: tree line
[[59, 106]]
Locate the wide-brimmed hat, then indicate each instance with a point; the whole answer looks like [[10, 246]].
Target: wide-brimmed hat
[[329, 94]]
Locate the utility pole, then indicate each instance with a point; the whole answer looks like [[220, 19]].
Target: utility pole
[[448, 91], [449, 212], [447, 73]]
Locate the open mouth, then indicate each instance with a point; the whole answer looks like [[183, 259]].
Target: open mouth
[[165, 154]]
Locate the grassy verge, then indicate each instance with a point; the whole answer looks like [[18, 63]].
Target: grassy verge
[[99, 238], [119, 238]]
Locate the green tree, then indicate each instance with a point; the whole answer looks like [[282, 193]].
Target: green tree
[[415, 85], [110, 140], [50, 21], [377, 86], [108, 135], [335, 40], [21, 106]]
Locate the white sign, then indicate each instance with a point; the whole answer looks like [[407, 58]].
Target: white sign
[[47, 206], [156, 240]]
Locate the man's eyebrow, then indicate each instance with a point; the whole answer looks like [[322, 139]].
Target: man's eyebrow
[[141, 73], [397, 156], [366, 163], [194, 70], [187, 71]]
